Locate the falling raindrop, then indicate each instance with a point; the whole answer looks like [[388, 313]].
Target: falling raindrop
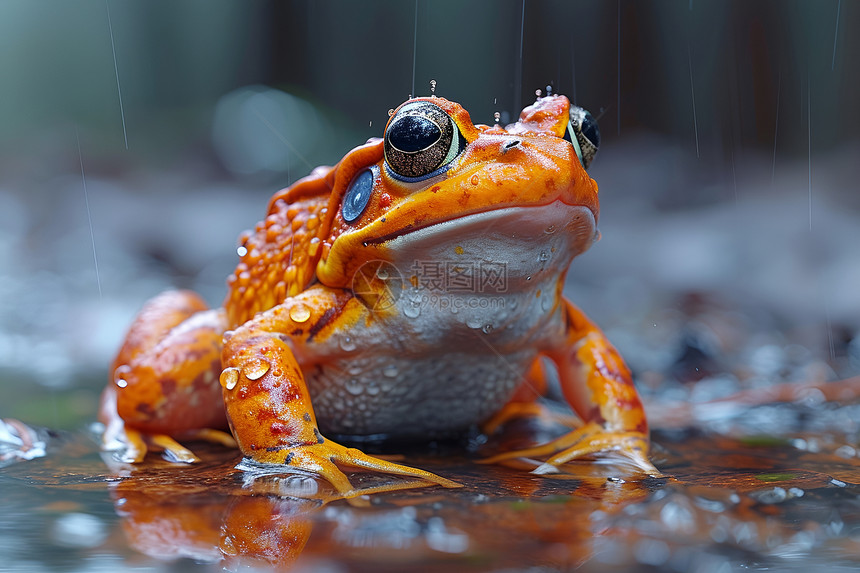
[[433, 87], [537, 94], [390, 112], [548, 90], [497, 116]]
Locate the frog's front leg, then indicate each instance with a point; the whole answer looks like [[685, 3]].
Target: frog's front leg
[[267, 399], [598, 386]]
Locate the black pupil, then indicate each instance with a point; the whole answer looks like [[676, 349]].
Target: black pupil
[[589, 130], [413, 133]]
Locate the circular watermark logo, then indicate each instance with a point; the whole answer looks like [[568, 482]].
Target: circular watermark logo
[[378, 284]]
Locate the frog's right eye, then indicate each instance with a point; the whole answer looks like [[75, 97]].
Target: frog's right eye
[[583, 134], [421, 141]]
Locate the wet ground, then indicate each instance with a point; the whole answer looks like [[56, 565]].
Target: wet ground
[[759, 502]]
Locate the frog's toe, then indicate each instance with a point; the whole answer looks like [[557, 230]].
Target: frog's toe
[[323, 459], [632, 446]]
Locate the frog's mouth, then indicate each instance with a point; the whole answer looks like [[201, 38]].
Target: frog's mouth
[[527, 240]]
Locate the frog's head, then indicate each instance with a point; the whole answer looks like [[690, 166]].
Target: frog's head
[[439, 188]]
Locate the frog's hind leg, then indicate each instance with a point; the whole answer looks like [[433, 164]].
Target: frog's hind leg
[[165, 379]]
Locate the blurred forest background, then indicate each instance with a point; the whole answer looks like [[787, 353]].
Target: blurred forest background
[[137, 139]]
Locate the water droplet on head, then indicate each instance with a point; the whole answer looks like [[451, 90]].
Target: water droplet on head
[[300, 313], [497, 116], [537, 93], [121, 382], [347, 344], [548, 90], [390, 112], [432, 86], [241, 251]]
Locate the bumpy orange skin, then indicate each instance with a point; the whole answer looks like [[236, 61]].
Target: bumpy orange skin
[[291, 293]]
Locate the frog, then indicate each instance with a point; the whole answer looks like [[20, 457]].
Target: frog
[[412, 291]]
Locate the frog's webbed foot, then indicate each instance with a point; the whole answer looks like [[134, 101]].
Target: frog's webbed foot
[[591, 439], [324, 458]]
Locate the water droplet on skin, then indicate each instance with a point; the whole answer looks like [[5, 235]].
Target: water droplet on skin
[[121, 383], [354, 370], [354, 387], [256, 369], [347, 344], [548, 91], [487, 328], [537, 93], [546, 303], [300, 313], [382, 274], [512, 303], [474, 322], [543, 257], [229, 378], [373, 390], [474, 179], [241, 251], [528, 278], [549, 230], [412, 310], [390, 371]]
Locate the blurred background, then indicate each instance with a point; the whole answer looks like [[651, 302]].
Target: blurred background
[[137, 139]]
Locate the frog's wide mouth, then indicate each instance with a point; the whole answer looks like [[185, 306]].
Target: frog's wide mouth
[[526, 238]]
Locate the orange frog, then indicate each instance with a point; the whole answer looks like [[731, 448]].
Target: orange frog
[[408, 292]]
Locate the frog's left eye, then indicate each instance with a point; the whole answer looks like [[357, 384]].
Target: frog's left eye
[[421, 141], [357, 195], [583, 133]]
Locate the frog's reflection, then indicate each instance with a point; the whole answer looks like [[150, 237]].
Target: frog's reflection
[[213, 513]]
